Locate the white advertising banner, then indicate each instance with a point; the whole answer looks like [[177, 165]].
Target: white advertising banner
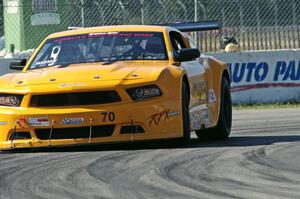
[[263, 77]]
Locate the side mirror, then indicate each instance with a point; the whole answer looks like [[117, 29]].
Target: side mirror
[[188, 54], [18, 64]]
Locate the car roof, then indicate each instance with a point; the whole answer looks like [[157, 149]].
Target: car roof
[[116, 28]]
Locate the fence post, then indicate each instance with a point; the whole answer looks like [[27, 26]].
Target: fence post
[[196, 19], [82, 13], [142, 11]]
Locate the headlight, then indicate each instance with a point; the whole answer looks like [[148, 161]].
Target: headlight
[[144, 92], [10, 100]]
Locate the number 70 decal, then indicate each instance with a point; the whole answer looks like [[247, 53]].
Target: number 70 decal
[[108, 116]]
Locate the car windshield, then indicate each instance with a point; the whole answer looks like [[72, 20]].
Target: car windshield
[[98, 47]]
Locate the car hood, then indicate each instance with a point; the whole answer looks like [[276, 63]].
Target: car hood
[[88, 72]]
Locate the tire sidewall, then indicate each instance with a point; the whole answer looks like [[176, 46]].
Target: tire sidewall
[[185, 113], [225, 117]]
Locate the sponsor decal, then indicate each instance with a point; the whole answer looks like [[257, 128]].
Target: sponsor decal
[[72, 121], [22, 122], [3, 123], [206, 119], [39, 121], [104, 34], [77, 84], [45, 62], [195, 120], [211, 96], [156, 118], [199, 117], [200, 90]]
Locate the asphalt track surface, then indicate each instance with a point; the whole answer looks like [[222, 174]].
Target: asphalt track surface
[[260, 160]]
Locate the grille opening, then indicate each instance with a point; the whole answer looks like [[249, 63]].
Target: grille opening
[[20, 136], [74, 99], [132, 129], [75, 133]]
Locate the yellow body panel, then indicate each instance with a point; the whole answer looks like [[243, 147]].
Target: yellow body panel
[[160, 117]]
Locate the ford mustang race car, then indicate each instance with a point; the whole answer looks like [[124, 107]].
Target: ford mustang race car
[[115, 84]]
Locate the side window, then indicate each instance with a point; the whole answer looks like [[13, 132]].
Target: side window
[[178, 41], [186, 41], [190, 40]]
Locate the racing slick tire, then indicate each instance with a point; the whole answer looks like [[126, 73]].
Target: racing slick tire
[[223, 128], [185, 113]]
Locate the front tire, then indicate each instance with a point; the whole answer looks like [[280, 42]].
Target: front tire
[[185, 113], [223, 128]]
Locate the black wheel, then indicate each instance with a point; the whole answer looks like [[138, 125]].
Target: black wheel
[[223, 128], [185, 113]]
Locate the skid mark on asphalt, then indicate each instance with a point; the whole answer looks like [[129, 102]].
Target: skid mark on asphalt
[[260, 160]]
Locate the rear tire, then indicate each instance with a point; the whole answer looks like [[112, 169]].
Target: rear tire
[[223, 128], [185, 113]]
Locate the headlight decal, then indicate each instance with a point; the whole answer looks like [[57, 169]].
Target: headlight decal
[[144, 92], [11, 100]]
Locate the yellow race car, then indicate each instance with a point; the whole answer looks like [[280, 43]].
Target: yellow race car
[[115, 84]]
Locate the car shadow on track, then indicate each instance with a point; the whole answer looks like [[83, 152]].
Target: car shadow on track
[[235, 141], [247, 141]]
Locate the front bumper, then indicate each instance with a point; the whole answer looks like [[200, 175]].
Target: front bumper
[[159, 120]]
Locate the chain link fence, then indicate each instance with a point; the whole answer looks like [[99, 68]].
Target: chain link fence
[[1, 18], [256, 24]]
